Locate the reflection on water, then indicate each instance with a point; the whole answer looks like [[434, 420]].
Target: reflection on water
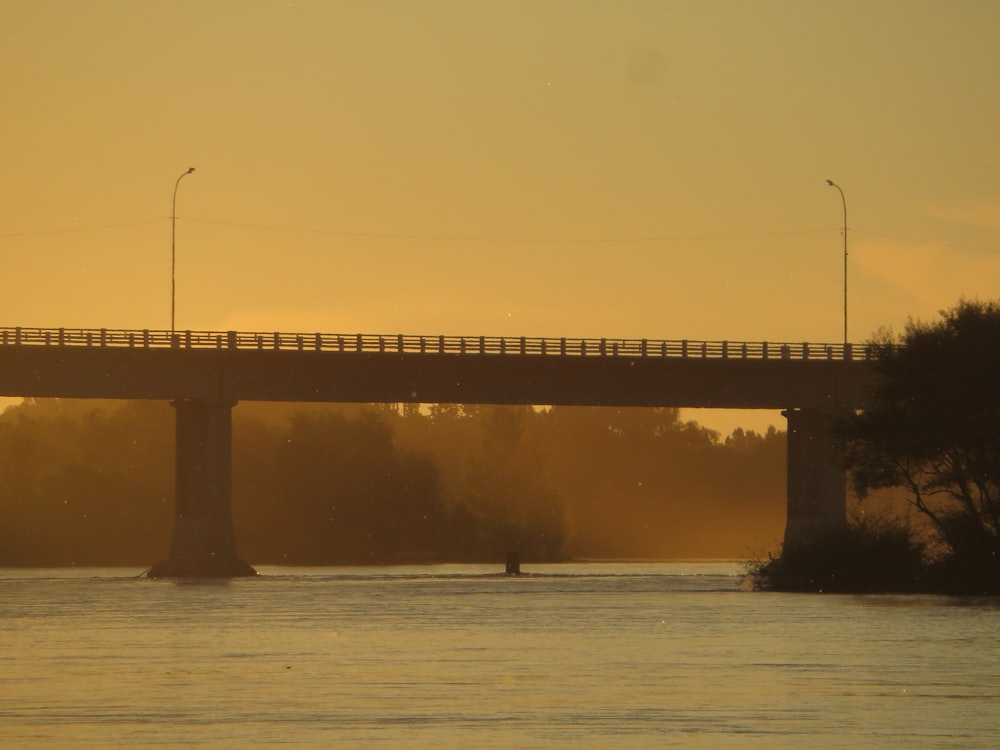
[[579, 655]]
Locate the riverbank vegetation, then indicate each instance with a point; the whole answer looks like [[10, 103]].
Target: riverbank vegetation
[[870, 554], [91, 483]]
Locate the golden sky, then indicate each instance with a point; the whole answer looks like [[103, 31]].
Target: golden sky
[[510, 167]]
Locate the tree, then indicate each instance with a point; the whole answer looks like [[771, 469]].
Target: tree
[[932, 428], [335, 488], [509, 489]]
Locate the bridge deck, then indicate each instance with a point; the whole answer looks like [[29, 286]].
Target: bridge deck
[[401, 343], [235, 366]]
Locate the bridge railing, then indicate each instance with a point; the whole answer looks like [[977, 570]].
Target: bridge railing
[[453, 345]]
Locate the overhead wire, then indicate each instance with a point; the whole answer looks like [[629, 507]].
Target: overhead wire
[[623, 239]]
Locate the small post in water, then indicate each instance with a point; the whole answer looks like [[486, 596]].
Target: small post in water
[[513, 564]]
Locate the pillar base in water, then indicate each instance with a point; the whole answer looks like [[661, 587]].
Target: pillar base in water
[[202, 548], [201, 569]]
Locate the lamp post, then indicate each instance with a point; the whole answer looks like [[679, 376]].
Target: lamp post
[[843, 200], [173, 251]]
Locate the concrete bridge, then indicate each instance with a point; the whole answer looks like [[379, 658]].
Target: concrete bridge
[[205, 374]]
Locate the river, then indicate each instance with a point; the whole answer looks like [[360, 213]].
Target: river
[[581, 655]]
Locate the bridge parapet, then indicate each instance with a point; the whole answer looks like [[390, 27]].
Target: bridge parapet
[[439, 344]]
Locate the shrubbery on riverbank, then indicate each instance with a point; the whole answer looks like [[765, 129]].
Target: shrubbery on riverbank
[[879, 555], [866, 556]]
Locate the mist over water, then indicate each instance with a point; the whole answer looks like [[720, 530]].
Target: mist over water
[[453, 656]]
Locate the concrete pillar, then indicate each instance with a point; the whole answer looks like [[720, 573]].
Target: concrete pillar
[[817, 485], [204, 542]]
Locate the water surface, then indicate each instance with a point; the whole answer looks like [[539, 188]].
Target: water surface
[[576, 655]]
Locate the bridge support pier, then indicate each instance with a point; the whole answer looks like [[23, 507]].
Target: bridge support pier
[[817, 485], [204, 541]]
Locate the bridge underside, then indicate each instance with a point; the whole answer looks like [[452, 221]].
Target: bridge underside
[[204, 541]]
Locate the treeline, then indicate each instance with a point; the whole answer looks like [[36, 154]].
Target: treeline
[[91, 483]]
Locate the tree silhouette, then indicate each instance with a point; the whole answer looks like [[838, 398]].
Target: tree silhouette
[[92, 483], [932, 428]]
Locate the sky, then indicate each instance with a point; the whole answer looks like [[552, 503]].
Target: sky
[[582, 168]]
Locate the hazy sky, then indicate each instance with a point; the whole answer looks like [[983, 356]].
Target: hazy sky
[[540, 167]]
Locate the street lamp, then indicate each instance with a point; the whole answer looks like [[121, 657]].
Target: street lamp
[[173, 251], [843, 200]]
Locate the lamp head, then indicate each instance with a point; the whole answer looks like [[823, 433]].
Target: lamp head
[[828, 182], [191, 169]]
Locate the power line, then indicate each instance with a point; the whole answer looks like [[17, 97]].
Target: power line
[[71, 230], [498, 240], [920, 242], [515, 239]]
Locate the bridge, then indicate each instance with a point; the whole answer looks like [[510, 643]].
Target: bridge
[[204, 374]]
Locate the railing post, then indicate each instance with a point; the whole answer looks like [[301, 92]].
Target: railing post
[[381, 343], [583, 347], [849, 351], [299, 342], [805, 350], [361, 343], [644, 344], [482, 345], [562, 346], [319, 342], [17, 335], [461, 345], [725, 350], [441, 344], [503, 345], [277, 340], [704, 349], [187, 339], [763, 351], [231, 338], [684, 348], [603, 348], [340, 343], [423, 345], [743, 350], [544, 347], [104, 337], [62, 336], [131, 340]]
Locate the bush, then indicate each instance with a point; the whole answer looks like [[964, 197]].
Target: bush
[[866, 556]]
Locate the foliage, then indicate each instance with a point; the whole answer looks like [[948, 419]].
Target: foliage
[[865, 556], [354, 496], [91, 483], [932, 428], [85, 482]]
